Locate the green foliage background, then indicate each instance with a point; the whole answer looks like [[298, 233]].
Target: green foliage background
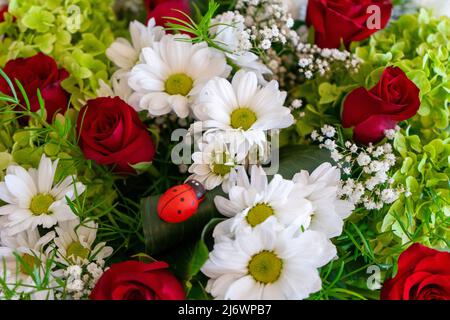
[[77, 32]]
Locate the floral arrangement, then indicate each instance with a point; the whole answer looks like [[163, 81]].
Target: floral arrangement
[[245, 149]]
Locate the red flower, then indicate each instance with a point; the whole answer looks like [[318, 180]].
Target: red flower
[[38, 72], [423, 274], [3, 10], [161, 9], [349, 20], [133, 280], [111, 133], [395, 98]]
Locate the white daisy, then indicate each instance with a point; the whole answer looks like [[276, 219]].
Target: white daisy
[[33, 199], [216, 164], [29, 247], [267, 264], [321, 188], [172, 72], [252, 202], [74, 243], [242, 107], [125, 54], [119, 86], [229, 33]]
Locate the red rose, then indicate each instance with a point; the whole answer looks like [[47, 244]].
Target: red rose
[[38, 72], [395, 98], [111, 133], [133, 280], [423, 274], [349, 20], [161, 9], [3, 10]]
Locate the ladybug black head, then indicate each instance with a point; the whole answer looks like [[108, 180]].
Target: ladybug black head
[[199, 189]]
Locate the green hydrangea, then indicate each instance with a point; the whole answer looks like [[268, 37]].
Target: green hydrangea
[[418, 44], [74, 32]]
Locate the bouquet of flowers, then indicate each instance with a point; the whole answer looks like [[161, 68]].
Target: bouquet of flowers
[[224, 149]]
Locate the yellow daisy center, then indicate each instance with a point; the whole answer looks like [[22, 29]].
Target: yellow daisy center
[[179, 83], [76, 250], [258, 214], [265, 267], [243, 118], [40, 203], [28, 264], [220, 167]]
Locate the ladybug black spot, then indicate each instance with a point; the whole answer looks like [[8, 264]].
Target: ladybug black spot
[[179, 211], [182, 199], [175, 190], [193, 202]]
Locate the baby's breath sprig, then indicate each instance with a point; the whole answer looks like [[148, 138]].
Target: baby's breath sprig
[[366, 169], [81, 280]]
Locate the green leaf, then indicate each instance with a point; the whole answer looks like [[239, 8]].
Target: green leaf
[[199, 258], [45, 42], [51, 149], [5, 160], [299, 157], [24, 94], [38, 19], [374, 77], [400, 144], [329, 93], [186, 260], [148, 167], [421, 165], [161, 236], [92, 45], [412, 185], [421, 81], [196, 291], [414, 142], [407, 163]]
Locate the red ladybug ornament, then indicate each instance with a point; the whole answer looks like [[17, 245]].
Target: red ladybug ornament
[[179, 203]]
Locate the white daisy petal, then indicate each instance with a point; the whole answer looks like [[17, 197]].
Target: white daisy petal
[[18, 188], [245, 288], [245, 85]]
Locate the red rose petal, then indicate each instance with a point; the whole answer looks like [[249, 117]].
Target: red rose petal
[[38, 72], [409, 258], [358, 106], [161, 10], [372, 129], [439, 283], [135, 280], [346, 20], [423, 274]]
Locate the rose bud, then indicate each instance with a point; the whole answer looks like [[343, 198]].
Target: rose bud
[[111, 133]]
